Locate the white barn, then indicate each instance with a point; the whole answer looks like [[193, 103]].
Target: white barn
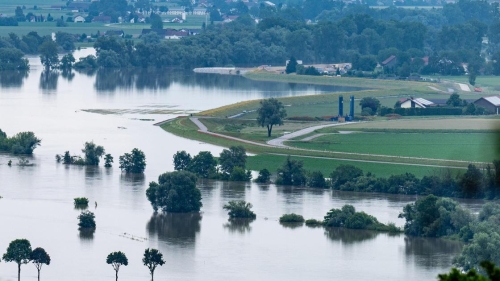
[[416, 103]]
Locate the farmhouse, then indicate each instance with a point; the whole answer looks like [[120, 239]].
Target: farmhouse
[[79, 19], [390, 62], [491, 104], [416, 103]]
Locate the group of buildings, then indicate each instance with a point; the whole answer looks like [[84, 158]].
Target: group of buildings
[[490, 104]]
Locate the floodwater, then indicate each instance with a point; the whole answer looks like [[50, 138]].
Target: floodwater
[[37, 200]]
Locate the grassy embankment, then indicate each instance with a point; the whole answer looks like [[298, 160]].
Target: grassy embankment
[[313, 161], [445, 140]]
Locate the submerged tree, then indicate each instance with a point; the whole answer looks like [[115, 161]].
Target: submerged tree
[[182, 160], [291, 173], [48, 54], [108, 160], [86, 220], [93, 153], [19, 251], [175, 192], [134, 162], [39, 257], [239, 209], [117, 259], [271, 112], [152, 258]]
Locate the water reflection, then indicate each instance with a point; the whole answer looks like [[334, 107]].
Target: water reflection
[[176, 228], [86, 235], [13, 79], [68, 74], [240, 226], [291, 225], [431, 252], [350, 236], [131, 180], [48, 80]]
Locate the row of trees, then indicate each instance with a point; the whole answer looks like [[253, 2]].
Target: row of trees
[[357, 38], [20, 143], [133, 162], [231, 164], [19, 251]]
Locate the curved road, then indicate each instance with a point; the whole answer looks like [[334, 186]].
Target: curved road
[[278, 142]]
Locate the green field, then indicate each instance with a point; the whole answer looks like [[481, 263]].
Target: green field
[[473, 147]]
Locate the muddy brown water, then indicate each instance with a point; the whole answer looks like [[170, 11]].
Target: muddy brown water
[[37, 200]]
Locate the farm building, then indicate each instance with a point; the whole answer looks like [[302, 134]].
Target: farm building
[[79, 19], [491, 104], [416, 103]]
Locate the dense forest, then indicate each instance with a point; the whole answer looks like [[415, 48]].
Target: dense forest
[[425, 41]]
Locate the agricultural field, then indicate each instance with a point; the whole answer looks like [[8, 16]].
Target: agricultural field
[[473, 147]]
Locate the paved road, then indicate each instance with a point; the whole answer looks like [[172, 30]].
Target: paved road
[[279, 141]]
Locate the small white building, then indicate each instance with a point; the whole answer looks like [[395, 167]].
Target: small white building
[[79, 19], [416, 103]]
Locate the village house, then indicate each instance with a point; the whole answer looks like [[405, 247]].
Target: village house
[[102, 19], [491, 104], [415, 103]]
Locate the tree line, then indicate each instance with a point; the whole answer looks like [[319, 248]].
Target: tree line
[[358, 37], [133, 162]]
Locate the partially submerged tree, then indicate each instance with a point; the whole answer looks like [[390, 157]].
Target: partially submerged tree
[[175, 192], [134, 162], [203, 164], [92, 153], [182, 160], [117, 259], [291, 173], [264, 176], [39, 257], [235, 156], [48, 54], [492, 272], [108, 160], [271, 112], [239, 209], [152, 258], [86, 220], [19, 251]]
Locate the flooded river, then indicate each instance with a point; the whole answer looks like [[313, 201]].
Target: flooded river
[[37, 200]]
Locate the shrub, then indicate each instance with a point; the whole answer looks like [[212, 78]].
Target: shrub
[[81, 202], [291, 218], [264, 176], [316, 179], [239, 174], [87, 220], [239, 209], [313, 222]]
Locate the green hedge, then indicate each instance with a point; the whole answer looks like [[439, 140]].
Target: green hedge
[[421, 111]]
